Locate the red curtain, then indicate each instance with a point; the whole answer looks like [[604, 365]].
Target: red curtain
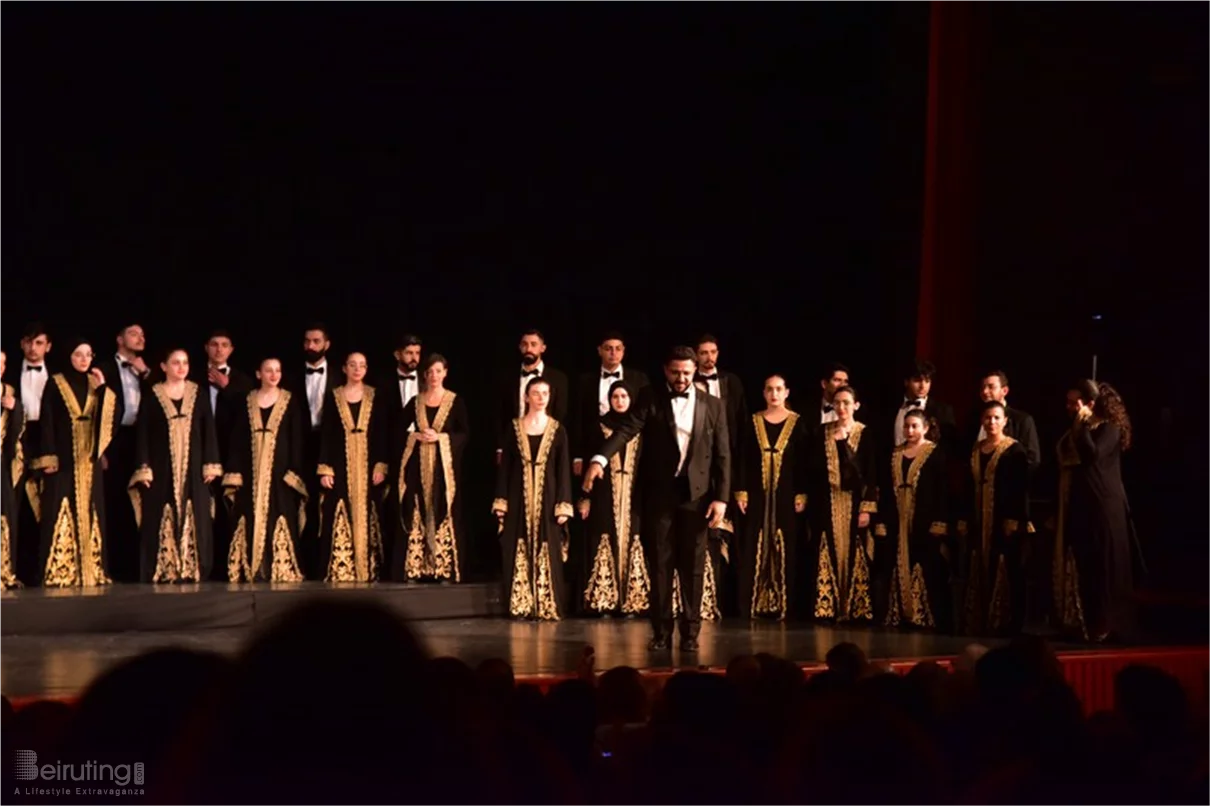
[[945, 323]]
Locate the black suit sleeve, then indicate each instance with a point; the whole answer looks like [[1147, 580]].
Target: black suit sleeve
[[16, 425], [210, 454], [560, 395], [720, 473], [331, 442], [562, 459], [1028, 437]]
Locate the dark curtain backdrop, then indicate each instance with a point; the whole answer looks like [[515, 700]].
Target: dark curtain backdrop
[[464, 172]]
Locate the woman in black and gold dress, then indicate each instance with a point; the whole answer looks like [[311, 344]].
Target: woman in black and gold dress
[[617, 570], [771, 492], [1099, 571], [79, 414], [176, 458], [842, 500], [352, 468], [533, 504], [915, 520], [996, 510], [12, 467], [263, 483], [430, 500]]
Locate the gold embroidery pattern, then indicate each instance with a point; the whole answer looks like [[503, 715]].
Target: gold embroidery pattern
[[340, 566], [63, 562], [859, 605], [637, 583], [769, 583], [978, 608], [826, 593], [173, 563], [521, 599], [621, 477], [82, 530], [432, 547], [842, 516], [1072, 606], [264, 444], [709, 602], [903, 581], [178, 436], [168, 562], [601, 594], [533, 474], [17, 468], [238, 568], [285, 564], [357, 459], [34, 494], [1000, 610], [920, 599], [8, 577]]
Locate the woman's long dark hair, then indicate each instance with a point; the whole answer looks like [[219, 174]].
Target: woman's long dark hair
[[1110, 408]]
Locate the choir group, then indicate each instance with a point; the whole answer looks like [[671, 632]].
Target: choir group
[[689, 505]]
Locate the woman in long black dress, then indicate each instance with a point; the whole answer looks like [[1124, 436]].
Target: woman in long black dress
[[533, 503], [79, 414], [914, 518], [996, 508], [841, 503], [12, 467], [352, 469], [176, 458], [1098, 526], [430, 471], [1065, 600], [263, 483], [617, 571], [771, 492]]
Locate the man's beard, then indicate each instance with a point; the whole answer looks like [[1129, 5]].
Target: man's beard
[[529, 359], [408, 365], [314, 356]]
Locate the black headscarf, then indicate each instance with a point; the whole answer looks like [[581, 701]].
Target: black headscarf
[[78, 381], [612, 419]]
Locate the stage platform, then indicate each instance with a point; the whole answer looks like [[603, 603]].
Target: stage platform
[[56, 642]]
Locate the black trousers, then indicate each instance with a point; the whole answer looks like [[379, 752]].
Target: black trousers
[[121, 532], [308, 539], [677, 526]]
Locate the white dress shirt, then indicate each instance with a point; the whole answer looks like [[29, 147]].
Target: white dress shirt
[[226, 370], [714, 387], [683, 410], [921, 404], [525, 379], [315, 391], [408, 389], [32, 384], [132, 390], [826, 415], [603, 388]]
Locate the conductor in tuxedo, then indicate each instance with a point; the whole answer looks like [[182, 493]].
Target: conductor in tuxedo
[[685, 475]]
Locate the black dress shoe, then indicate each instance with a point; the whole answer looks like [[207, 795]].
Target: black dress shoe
[[689, 645], [658, 644]]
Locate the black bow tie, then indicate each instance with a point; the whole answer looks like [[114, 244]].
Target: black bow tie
[[675, 395], [34, 369], [913, 404], [701, 377], [315, 370], [411, 377], [605, 375], [126, 365], [225, 370], [525, 373], [827, 407]]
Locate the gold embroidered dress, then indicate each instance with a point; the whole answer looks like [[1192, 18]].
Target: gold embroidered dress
[[996, 509], [77, 426], [914, 518], [177, 446], [428, 489], [844, 485], [772, 479], [352, 448], [533, 488], [12, 468], [617, 576], [265, 491]]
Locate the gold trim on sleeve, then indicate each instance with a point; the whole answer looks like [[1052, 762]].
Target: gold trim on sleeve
[[741, 497], [233, 480], [563, 509], [143, 474], [294, 482], [325, 470], [500, 505], [45, 463]]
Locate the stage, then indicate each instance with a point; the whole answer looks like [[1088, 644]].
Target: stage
[[56, 641]]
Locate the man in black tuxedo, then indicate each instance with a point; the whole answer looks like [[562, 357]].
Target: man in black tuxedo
[[685, 474], [592, 398], [727, 387], [917, 386], [227, 393], [512, 390], [1019, 425], [310, 388], [128, 375], [396, 390]]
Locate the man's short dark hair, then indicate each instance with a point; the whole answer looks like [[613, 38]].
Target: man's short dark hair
[[33, 330], [408, 340], [832, 369], [705, 338], [920, 369], [533, 331], [611, 335], [129, 324], [681, 353], [220, 334], [321, 327], [996, 373]]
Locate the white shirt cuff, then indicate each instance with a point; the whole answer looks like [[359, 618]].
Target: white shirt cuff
[[601, 460]]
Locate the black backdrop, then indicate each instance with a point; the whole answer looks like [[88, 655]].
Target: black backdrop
[[464, 172]]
